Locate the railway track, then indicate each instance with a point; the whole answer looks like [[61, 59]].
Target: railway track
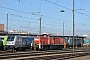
[[49, 54], [25, 54], [57, 57]]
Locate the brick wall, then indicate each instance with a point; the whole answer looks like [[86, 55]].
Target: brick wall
[[1, 27]]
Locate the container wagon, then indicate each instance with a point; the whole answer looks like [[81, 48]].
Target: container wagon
[[77, 42], [19, 42], [3, 42], [48, 43], [86, 42]]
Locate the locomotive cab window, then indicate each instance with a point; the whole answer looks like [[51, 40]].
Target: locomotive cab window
[[10, 39], [1, 39]]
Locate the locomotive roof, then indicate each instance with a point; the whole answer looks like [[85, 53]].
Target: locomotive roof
[[70, 36]]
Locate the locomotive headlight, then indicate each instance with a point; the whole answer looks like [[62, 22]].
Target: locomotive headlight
[[12, 42]]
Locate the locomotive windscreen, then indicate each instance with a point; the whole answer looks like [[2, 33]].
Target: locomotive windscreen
[[10, 38]]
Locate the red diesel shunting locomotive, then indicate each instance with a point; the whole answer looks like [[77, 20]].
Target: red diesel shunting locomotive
[[47, 42]]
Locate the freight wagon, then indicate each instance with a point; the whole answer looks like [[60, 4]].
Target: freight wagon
[[48, 43], [87, 42], [3, 42], [19, 42], [78, 41]]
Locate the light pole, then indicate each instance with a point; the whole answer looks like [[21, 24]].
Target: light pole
[[63, 28], [73, 24], [63, 22], [7, 23], [40, 27], [40, 21]]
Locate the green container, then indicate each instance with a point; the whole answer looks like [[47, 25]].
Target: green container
[[87, 41]]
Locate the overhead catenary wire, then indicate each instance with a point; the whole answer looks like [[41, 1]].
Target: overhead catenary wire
[[66, 8], [18, 10], [43, 15], [30, 18], [83, 14], [44, 10], [20, 1], [23, 11]]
